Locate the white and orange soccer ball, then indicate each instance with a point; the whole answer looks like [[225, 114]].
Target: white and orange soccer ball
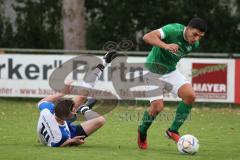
[[188, 144]]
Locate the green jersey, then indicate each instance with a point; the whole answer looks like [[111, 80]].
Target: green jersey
[[162, 61]]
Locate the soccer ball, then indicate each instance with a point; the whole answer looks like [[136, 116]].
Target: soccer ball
[[188, 144]]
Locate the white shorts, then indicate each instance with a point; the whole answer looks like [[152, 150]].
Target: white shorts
[[170, 82]]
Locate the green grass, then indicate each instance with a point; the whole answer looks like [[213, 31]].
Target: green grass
[[218, 130]]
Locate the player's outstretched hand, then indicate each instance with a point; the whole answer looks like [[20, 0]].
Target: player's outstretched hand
[[78, 140]]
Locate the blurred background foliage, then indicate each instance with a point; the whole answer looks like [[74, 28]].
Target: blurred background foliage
[[38, 23]]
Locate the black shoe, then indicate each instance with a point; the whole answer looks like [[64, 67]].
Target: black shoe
[[90, 102], [88, 105], [110, 55]]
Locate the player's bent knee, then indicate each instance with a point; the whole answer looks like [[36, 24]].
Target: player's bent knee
[[190, 99], [156, 107], [101, 121]]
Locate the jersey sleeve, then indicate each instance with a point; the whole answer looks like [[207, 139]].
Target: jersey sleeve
[[168, 30], [61, 138], [46, 105]]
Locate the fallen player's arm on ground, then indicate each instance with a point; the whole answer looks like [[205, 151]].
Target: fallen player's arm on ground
[[73, 141]]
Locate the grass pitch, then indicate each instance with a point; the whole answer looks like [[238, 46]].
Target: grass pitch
[[218, 131]]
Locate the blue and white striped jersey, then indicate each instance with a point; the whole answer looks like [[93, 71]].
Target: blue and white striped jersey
[[50, 132]]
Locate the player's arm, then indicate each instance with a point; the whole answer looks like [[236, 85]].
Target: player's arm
[[52, 98], [58, 95], [78, 140], [154, 38]]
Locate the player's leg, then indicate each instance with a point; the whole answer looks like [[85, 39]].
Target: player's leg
[[156, 106], [93, 121], [187, 94], [184, 90], [91, 79], [93, 125], [95, 74], [80, 106], [150, 114], [88, 127]]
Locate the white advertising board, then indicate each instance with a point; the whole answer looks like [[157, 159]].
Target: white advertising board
[[24, 75]]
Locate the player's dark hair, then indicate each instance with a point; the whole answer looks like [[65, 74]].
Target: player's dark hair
[[199, 24], [63, 108]]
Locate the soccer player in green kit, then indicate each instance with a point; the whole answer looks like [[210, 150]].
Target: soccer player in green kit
[[170, 43]]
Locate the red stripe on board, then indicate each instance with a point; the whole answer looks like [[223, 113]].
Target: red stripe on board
[[237, 81]]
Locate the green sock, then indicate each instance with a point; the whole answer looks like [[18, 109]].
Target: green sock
[[182, 113], [146, 122]]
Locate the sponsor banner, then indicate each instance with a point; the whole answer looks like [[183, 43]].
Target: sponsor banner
[[205, 83], [28, 75], [237, 81], [212, 79]]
